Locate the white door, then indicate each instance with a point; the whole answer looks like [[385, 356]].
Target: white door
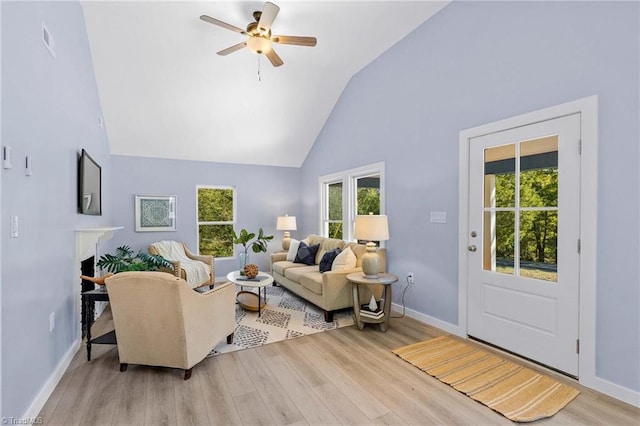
[[523, 242]]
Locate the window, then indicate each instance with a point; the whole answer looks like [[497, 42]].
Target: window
[[216, 219], [347, 194]]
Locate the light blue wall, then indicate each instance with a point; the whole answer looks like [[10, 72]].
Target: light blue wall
[[475, 63], [262, 194], [49, 112]]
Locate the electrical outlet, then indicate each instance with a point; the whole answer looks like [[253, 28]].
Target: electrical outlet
[[52, 321], [410, 277]]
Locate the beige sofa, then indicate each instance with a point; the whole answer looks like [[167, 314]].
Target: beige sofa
[[331, 290]]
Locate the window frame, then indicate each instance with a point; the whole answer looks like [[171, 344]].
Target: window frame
[[233, 222], [349, 180]]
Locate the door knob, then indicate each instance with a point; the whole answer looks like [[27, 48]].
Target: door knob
[[472, 248]]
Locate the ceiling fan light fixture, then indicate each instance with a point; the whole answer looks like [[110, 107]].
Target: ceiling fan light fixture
[[259, 45]]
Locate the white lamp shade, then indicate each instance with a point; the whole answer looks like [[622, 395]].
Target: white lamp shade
[[372, 228], [286, 223]]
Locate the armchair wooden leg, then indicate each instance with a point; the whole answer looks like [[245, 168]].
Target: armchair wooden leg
[[187, 373], [230, 339], [328, 316], [123, 367]]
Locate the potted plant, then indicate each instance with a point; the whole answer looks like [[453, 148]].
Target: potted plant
[[250, 241], [124, 260]]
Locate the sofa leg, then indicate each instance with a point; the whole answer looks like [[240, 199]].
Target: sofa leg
[[187, 373], [230, 339], [328, 316], [123, 367]]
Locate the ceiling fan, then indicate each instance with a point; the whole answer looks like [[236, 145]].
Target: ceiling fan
[[259, 39]]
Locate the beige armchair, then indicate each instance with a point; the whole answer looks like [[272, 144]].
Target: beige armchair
[[159, 320], [185, 263]]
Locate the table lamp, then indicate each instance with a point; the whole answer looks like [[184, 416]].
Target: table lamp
[[286, 223], [371, 228]]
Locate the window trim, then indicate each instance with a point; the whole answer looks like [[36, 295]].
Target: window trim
[[226, 222], [349, 193]]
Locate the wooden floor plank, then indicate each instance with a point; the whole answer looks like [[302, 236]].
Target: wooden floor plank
[[312, 408], [191, 409], [221, 409], [282, 409], [160, 406], [235, 374], [344, 376], [252, 410]]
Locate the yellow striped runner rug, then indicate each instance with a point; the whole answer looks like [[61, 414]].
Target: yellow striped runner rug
[[518, 393]]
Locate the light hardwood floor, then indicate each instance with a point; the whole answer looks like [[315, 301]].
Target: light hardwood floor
[[344, 376]]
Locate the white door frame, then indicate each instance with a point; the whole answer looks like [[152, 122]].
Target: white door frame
[[588, 108]]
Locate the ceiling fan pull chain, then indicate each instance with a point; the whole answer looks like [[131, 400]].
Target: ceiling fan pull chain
[[259, 76]]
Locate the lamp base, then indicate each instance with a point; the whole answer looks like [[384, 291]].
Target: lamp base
[[286, 241], [370, 263]]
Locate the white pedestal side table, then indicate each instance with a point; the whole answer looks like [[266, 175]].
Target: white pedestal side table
[[247, 299]]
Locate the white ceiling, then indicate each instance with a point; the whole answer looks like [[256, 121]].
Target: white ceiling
[[165, 93]]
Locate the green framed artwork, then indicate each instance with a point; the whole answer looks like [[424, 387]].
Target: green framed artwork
[[155, 213]]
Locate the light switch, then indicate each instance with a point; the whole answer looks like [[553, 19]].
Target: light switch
[[14, 226], [438, 217], [6, 157], [27, 166]]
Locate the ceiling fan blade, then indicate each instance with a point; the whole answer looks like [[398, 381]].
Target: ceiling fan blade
[[232, 49], [269, 13], [274, 58], [298, 41], [219, 23]]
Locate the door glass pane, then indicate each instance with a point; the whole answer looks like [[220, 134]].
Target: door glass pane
[[499, 176], [498, 248], [539, 245], [539, 172]]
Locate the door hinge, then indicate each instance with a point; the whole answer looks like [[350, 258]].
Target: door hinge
[[577, 346], [579, 245], [579, 146]]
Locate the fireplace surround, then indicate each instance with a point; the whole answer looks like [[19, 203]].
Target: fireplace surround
[[87, 244]]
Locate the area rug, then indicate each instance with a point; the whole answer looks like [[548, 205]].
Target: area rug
[[518, 393], [286, 316]]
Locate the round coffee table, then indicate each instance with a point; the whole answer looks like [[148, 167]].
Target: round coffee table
[[248, 299]]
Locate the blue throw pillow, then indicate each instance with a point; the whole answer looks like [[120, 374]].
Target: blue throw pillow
[[327, 259], [306, 254]]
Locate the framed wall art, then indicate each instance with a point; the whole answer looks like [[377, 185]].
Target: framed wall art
[[155, 213]]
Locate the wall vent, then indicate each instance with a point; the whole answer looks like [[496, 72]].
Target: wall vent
[[48, 41]]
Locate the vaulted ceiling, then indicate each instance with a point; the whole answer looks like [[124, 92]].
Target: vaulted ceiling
[[166, 93]]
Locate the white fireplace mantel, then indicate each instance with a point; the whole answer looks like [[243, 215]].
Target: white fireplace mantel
[[87, 238]]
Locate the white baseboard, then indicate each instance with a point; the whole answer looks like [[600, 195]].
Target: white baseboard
[[613, 390], [435, 322], [46, 391]]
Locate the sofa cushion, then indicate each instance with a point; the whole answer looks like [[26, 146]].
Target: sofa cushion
[[327, 245], [307, 254], [327, 259], [312, 281], [294, 274], [280, 267], [345, 260], [293, 250]]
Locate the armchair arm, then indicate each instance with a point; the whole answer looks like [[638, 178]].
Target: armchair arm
[[206, 259], [209, 318]]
